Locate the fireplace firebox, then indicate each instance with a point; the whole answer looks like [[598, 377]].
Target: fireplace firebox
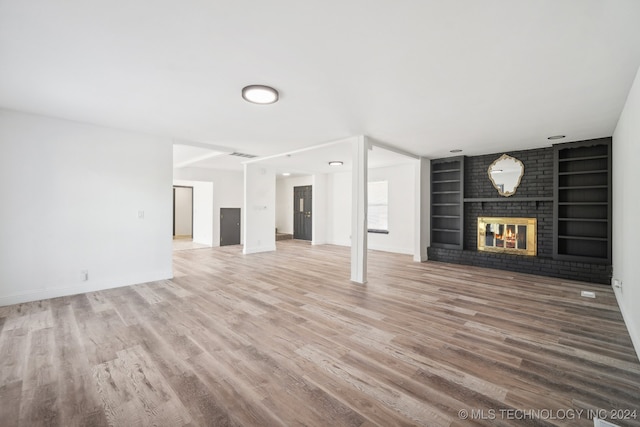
[[507, 235]]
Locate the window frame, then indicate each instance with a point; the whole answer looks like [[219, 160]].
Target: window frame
[[386, 204]]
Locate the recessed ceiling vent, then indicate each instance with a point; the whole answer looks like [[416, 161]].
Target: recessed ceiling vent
[[245, 155]]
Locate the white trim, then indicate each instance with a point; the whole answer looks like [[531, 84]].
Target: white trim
[[85, 287], [302, 150], [392, 249], [259, 249], [422, 219], [359, 206], [635, 335], [393, 149], [219, 148]]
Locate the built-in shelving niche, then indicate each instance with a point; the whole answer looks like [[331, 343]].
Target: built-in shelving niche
[[582, 201], [567, 187], [447, 209]]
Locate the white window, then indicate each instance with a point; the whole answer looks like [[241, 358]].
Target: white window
[[378, 215]]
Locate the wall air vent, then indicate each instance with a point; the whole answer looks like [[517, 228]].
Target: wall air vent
[[246, 156]]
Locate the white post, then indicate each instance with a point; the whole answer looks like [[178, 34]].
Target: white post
[[423, 209], [360, 152]]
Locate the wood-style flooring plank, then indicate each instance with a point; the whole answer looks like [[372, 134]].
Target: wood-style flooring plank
[[284, 338]]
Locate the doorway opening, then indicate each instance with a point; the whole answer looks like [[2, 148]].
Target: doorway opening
[[302, 212], [182, 212]]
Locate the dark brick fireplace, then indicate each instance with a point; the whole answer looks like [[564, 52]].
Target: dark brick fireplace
[[534, 198]]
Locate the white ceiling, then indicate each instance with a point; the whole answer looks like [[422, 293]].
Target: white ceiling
[[424, 75]]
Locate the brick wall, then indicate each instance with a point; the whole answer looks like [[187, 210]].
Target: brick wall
[[537, 182]]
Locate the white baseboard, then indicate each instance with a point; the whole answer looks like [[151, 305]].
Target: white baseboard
[[340, 243], [248, 251], [206, 242], [633, 333], [391, 249], [84, 287]]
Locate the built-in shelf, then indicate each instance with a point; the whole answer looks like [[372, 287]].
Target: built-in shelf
[[445, 171], [584, 172], [598, 239], [447, 218], [582, 207], [573, 159], [567, 188], [583, 219], [444, 181], [507, 199], [583, 203], [583, 187]]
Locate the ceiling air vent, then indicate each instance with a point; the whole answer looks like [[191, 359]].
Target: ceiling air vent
[[246, 156]]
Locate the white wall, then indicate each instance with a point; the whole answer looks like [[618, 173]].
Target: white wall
[[183, 211], [202, 210], [228, 192], [339, 209], [422, 218], [260, 212], [284, 200], [401, 237], [71, 198], [626, 206], [319, 208]]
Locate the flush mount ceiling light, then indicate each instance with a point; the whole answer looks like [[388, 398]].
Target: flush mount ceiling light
[[455, 150], [335, 163], [259, 94], [557, 137], [285, 174]]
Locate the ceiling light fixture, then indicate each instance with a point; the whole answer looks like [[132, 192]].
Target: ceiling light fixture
[[557, 137], [335, 163], [455, 150], [285, 174], [259, 94]]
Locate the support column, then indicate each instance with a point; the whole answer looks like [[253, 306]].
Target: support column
[[259, 209], [360, 152], [423, 209]]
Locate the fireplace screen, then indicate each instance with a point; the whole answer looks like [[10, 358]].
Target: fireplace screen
[[509, 235]]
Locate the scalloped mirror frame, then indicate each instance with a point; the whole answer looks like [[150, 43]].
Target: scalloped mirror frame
[[496, 171]]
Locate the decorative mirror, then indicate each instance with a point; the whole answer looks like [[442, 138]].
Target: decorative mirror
[[505, 174]]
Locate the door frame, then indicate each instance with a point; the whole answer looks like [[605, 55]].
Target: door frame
[[174, 208]]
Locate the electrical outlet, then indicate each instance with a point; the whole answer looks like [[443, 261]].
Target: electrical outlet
[[84, 275], [587, 294], [140, 214], [617, 284]]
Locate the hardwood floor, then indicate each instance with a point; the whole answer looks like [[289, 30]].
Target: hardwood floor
[[284, 338]]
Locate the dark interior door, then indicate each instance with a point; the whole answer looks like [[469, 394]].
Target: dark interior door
[[302, 212], [229, 226]]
